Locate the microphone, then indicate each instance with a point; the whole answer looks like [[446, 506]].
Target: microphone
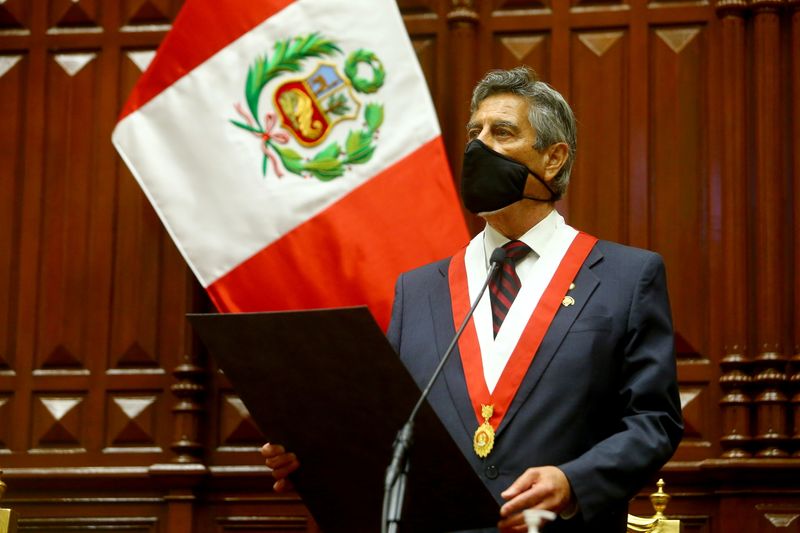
[[395, 480]]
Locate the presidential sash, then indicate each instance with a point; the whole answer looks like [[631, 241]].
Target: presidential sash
[[491, 407]]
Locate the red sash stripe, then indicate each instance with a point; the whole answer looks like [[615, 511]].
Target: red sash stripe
[[531, 338]]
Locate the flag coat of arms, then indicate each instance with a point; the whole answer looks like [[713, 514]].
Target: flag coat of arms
[[292, 151]]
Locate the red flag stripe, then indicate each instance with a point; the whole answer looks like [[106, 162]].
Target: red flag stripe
[[360, 262], [198, 33]]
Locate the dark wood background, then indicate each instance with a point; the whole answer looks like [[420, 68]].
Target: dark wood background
[[689, 134]]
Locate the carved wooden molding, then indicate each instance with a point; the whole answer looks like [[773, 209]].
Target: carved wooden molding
[[463, 12], [187, 411], [736, 8], [767, 5]]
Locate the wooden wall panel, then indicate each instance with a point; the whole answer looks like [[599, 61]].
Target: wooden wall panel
[[599, 98], [6, 408], [59, 423], [148, 12], [237, 430], [511, 6], [73, 13], [15, 14], [62, 331], [532, 49], [794, 149], [678, 180], [140, 243], [682, 120], [13, 69], [131, 422]]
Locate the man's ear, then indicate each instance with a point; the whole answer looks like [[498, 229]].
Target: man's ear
[[556, 157]]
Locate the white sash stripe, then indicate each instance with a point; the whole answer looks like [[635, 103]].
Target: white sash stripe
[[495, 352]]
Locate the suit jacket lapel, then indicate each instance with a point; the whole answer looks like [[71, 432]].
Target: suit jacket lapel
[[442, 313], [585, 284]]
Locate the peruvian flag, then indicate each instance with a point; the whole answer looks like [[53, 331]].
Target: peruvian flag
[[292, 151]]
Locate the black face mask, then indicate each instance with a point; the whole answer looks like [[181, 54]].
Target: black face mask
[[492, 181]]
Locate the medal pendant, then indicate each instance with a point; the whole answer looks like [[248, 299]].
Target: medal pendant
[[483, 441]]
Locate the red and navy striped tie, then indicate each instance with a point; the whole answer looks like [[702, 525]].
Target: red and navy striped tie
[[504, 286]]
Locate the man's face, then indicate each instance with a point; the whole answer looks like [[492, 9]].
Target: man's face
[[501, 123]]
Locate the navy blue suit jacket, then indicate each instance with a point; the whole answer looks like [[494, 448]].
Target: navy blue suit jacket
[[599, 400]]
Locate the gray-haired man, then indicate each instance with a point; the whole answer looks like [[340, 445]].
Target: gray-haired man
[[563, 392]]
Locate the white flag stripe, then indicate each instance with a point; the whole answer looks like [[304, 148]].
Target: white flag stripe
[[203, 174]]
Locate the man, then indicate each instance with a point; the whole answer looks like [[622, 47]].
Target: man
[[563, 392]]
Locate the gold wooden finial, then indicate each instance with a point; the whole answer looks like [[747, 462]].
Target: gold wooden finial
[[660, 499]]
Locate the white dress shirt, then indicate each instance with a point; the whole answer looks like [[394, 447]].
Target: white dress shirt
[[549, 241]]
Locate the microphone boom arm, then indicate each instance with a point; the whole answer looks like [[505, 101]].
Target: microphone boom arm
[[395, 480]]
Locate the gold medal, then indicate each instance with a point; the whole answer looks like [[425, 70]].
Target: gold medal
[[483, 442]]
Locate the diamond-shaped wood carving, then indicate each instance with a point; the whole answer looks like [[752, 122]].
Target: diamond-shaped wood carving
[[73, 13], [61, 357], [521, 47], [57, 421], [236, 425], [678, 38], [141, 58], [147, 12], [582, 3], [4, 363], [519, 5], [599, 43], [131, 420], [74, 63], [5, 420], [14, 14], [414, 7], [684, 349], [692, 400], [136, 356], [7, 63]]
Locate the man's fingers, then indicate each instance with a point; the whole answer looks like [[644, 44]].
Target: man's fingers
[[283, 465], [513, 524], [280, 473], [543, 487], [521, 484], [280, 461], [534, 497], [282, 485], [271, 450]]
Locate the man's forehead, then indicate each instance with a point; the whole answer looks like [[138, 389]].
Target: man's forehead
[[507, 107]]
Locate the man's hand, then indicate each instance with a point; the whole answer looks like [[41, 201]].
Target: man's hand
[[281, 463], [544, 487]]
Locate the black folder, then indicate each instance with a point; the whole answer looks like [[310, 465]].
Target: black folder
[[327, 385]]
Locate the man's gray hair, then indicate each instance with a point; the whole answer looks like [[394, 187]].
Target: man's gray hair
[[550, 115]]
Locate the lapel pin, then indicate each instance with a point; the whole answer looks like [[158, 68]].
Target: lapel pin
[[567, 301], [571, 286]]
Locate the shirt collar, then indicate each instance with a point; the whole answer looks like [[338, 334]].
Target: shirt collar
[[537, 237]]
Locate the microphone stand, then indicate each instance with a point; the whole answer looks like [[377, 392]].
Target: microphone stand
[[395, 481]]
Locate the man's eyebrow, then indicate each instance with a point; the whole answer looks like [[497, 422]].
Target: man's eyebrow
[[495, 124], [505, 124]]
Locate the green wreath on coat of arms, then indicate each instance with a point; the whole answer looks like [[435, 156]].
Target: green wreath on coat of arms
[[310, 107]]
